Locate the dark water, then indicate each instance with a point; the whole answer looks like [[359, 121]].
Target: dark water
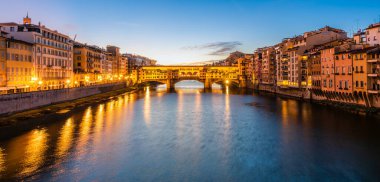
[[191, 135]]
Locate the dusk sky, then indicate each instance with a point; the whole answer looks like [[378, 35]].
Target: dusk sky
[[190, 31]]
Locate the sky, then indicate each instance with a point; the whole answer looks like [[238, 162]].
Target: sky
[[183, 31]]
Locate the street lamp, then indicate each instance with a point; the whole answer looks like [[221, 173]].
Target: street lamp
[[40, 84], [68, 83]]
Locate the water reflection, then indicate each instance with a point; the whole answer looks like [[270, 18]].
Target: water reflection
[[147, 106], [196, 135], [2, 161], [34, 152], [84, 133], [65, 138], [99, 122], [227, 114]]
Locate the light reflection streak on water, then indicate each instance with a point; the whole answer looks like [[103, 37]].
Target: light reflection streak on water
[[99, 124], [179, 120], [34, 152], [110, 118], [197, 119], [147, 107], [84, 133], [2, 161], [227, 127], [284, 113], [65, 138]]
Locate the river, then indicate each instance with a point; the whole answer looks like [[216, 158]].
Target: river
[[194, 135]]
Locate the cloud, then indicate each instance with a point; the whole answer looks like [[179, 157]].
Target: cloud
[[217, 48]]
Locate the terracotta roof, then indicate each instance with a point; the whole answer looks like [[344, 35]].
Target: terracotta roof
[[375, 25], [8, 24], [362, 50], [375, 50]]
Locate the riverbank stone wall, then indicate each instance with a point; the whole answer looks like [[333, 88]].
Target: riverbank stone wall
[[24, 101]]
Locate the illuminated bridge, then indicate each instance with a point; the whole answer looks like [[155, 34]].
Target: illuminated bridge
[[170, 75]]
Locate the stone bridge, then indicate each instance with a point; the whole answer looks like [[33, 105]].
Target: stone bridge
[[170, 75]]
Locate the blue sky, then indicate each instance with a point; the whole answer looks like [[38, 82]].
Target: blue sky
[[190, 30]]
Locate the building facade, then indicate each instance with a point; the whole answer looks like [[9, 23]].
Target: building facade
[[52, 52], [19, 67]]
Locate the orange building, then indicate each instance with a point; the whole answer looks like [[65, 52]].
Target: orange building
[[360, 77], [373, 67], [268, 66], [327, 68], [343, 71]]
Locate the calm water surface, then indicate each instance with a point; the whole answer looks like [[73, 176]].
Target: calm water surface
[[192, 135]]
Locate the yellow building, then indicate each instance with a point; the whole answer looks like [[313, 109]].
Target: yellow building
[[2, 61], [360, 75], [19, 67]]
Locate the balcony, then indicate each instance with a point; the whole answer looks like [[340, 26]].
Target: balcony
[[372, 74], [370, 91], [373, 60]]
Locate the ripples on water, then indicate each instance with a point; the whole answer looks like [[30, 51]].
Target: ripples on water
[[191, 135]]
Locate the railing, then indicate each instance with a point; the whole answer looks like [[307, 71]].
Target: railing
[[373, 74], [373, 60], [370, 91]]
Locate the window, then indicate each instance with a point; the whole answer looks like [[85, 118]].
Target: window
[[361, 84], [357, 84], [340, 84], [346, 84], [12, 29]]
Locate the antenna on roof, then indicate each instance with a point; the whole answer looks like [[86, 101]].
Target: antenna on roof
[[75, 37]]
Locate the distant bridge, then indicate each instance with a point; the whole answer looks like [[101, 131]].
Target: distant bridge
[[170, 75]]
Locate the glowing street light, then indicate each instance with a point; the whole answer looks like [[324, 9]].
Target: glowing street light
[[87, 79], [227, 82]]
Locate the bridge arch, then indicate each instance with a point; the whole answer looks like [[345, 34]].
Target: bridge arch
[[152, 82], [225, 82]]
